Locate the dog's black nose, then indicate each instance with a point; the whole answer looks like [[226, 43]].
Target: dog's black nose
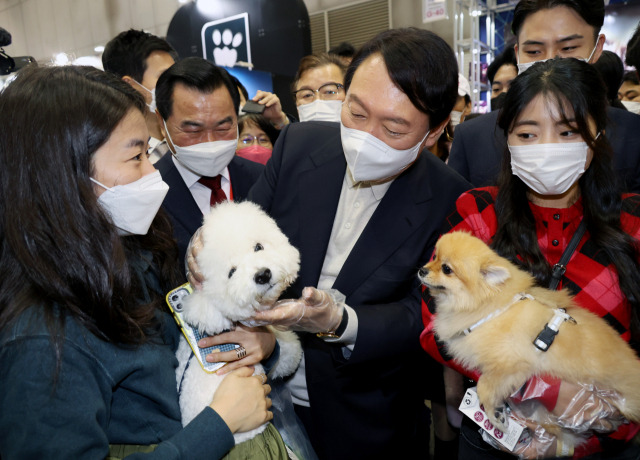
[[424, 271], [263, 276]]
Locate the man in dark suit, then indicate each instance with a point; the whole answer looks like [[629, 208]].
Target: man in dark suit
[[363, 201], [544, 30], [197, 111]]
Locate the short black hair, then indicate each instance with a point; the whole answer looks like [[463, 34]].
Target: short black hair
[[631, 76], [344, 49], [633, 50], [507, 57], [240, 86], [420, 63], [196, 73], [591, 11], [127, 53], [261, 122], [611, 70]]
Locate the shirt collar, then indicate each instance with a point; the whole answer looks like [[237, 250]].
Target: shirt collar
[[570, 214], [378, 190], [189, 177], [153, 142]]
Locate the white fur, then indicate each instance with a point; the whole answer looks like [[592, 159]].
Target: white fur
[[230, 235]]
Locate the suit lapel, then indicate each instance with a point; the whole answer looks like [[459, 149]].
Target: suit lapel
[[402, 210], [319, 191], [179, 202]]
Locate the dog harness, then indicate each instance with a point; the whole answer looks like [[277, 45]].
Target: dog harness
[[548, 334], [516, 298]]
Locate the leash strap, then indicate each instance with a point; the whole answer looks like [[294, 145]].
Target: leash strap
[[560, 268]]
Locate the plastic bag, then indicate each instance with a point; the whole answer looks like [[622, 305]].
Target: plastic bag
[[287, 422], [579, 411]]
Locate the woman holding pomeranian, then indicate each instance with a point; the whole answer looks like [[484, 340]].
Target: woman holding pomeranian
[[556, 173], [87, 351]]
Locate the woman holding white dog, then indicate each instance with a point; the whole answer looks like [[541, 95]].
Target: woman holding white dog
[[87, 363], [557, 173]]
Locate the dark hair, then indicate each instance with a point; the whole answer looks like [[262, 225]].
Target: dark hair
[[240, 87], [313, 61], [507, 57], [196, 73], [59, 248], [344, 49], [632, 57], [567, 83], [631, 76], [127, 53], [420, 64], [611, 69], [591, 11], [261, 122]]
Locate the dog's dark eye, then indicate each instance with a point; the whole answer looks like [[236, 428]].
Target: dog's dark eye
[[232, 271], [258, 247], [446, 269]]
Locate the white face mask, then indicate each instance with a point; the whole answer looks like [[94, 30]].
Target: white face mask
[[370, 159], [455, 118], [526, 65], [631, 106], [207, 158], [320, 110], [549, 169], [133, 206], [152, 105]]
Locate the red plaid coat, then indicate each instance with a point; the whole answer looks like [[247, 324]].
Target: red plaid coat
[[590, 276]]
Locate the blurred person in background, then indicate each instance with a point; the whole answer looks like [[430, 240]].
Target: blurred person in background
[[256, 138], [139, 58], [501, 73], [318, 87], [611, 70], [629, 91], [345, 52]]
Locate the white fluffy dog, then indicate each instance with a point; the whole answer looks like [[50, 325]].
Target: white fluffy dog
[[247, 262]]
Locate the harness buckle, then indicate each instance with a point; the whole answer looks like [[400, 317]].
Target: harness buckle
[[545, 338], [558, 271]]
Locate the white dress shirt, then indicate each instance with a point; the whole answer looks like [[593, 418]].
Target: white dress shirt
[[358, 202], [201, 193]]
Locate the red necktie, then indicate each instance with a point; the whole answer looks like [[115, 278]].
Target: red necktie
[[217, 194]]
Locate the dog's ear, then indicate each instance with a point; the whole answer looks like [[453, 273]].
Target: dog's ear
[[494, 275]]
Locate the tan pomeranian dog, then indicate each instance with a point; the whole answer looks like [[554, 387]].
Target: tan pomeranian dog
[[490, 315]]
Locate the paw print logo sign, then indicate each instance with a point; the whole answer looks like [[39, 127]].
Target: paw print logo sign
[[226, 41]]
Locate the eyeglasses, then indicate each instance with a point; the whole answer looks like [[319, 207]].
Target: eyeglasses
[[249, 139], [328, 92]]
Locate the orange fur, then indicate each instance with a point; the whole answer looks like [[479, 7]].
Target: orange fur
[[481, 282]]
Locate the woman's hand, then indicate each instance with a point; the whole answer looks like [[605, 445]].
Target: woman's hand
[[273, 109], [241, 400], [580, 411], [258, 344], [583, 407]]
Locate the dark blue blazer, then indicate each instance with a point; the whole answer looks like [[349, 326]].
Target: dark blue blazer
[[183, 211], [479, 145], [372, 404]]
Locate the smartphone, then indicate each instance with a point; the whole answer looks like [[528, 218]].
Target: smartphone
[[253, 107], [175, 299]]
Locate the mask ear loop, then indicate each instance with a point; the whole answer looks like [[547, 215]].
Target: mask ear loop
[[99, 183]]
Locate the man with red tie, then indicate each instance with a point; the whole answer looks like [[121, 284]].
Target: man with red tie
[[197, 110]]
